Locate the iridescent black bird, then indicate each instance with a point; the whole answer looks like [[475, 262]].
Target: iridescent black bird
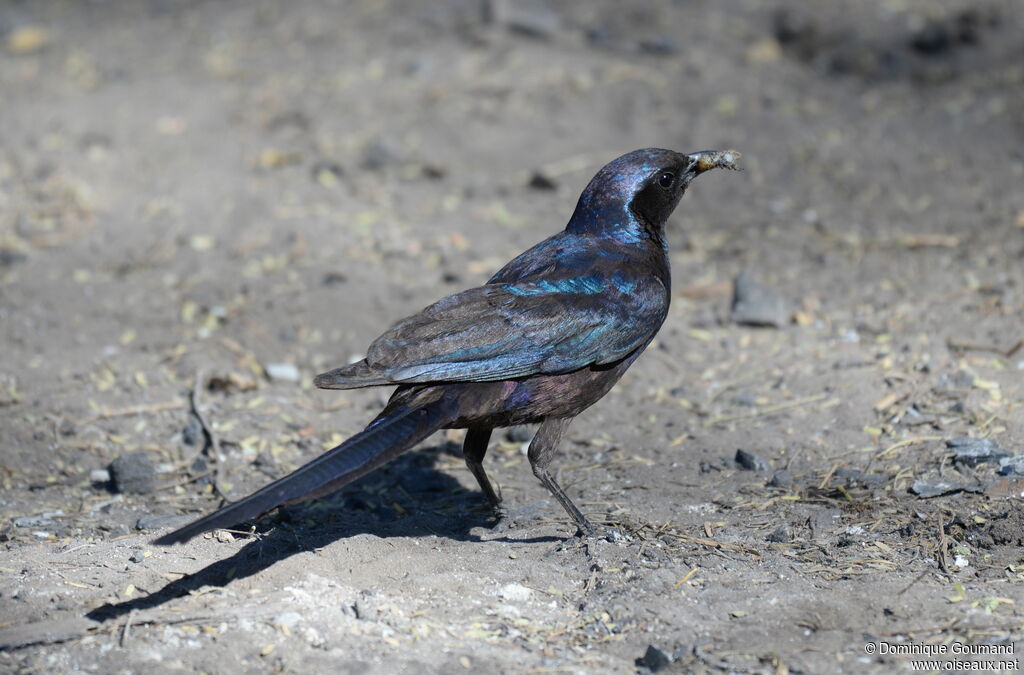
[[543, 340]]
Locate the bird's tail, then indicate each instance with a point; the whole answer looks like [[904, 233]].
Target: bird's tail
[[385, 439]]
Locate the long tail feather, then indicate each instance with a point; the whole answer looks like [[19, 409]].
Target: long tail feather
[[378, 444]]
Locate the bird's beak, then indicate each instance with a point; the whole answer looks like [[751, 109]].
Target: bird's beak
[[706, 160]]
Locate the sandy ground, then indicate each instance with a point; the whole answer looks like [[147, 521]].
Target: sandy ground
[[242, 194]]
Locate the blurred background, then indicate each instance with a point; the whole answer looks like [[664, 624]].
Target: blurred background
[[243, 194]]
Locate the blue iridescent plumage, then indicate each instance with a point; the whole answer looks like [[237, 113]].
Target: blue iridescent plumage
[[546, 337]]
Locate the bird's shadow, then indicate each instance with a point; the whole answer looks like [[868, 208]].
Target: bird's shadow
[[408, 498]]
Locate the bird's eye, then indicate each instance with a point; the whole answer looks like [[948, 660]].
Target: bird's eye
[[665, 179]]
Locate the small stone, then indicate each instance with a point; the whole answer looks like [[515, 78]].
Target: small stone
[[1012, 465], [539, 181], [655, 659], [781, 479], [780, 535], [137, 556], [33, 521], [974, 451], [757, 305], [192, 431], [515, 593], [99, 476], [937, 488], [332, 279], [223, 536], [287, 620], [745, 399], [285, 372], [133, 473], [519, 434], [751, 462]]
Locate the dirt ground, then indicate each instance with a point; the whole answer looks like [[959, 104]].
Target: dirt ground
[[211, 202]]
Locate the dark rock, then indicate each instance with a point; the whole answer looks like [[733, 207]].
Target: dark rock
[[655, 659], [780, 535], [519, 434], [1012, 465], [332, 279], [539, 181], [781, 479], [757, 305], [937, 487], [133, 473], [751, 462], [193, 430], [937, 37], [974, 451]]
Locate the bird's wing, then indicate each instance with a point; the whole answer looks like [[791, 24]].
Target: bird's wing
[[504, 331]]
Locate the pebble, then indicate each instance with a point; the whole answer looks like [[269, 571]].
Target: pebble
[[133, 473], [540, 181], [137, 556], [192, 431], [655, 659], [101, 476], [780, 535], [757, 305], [287, 620], [937, 488], [974, 451], [33, 521], [751, 462], [285, 372], [515, 592], [781, 479], [1012, 465]]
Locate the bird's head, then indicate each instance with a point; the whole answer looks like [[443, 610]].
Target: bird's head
[[645, 184]]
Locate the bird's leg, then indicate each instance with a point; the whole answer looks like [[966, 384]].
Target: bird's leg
[[542, 451], [473, 450]]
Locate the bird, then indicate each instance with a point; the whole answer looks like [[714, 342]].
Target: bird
[[544, 339]]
